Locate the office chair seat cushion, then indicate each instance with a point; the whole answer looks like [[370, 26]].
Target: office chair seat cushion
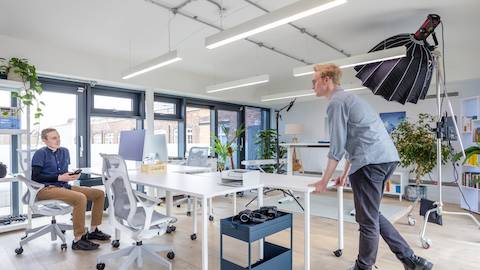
[[51, 207], [157, 219]]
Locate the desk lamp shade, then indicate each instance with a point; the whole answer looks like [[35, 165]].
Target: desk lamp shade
[[293, 129]]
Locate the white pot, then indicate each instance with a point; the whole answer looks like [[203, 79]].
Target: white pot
[[12, 76]]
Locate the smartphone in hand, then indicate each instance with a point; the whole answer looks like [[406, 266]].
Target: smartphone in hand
[[76, 172]]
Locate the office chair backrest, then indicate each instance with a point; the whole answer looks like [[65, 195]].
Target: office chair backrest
[[198, 156], [117, 186]]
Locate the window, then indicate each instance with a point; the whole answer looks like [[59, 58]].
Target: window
[[164, 107], [170, 129], [109, 128], [229, 119], [198, 122], [112, 103], [5, 100]]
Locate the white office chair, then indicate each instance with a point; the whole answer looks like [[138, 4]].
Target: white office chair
[[50, 208], [141, 222], [197, 157]]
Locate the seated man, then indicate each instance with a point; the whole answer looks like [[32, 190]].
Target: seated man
[[50, 167]]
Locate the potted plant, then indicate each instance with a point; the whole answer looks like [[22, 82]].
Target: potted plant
[[21, 70], [3, 68], [416, 145], [226, 150], [470, 155], [266, 148]]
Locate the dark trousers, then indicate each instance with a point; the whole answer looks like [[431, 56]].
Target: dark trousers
[[368, 184]]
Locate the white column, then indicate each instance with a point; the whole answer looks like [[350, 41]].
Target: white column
[[260, 204], [307, 230], [204, 234]]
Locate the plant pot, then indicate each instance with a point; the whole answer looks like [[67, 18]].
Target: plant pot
[[3, 76], [412, 192], [12, 76], [3, 170]]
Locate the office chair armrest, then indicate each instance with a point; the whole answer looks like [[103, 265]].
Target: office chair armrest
[[144, 198]]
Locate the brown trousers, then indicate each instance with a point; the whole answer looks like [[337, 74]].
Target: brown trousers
[[77, 197]]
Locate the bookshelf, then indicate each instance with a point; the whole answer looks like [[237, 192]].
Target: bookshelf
[[470, 135]]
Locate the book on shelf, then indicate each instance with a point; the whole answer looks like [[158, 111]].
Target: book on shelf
[[471, 179], [476, 134]]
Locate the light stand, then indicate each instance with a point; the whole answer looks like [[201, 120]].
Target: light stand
[[439, 135], [277, 143]]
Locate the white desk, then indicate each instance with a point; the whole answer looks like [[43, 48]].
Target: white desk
[[97, 170], [295, 183], [196, 186]]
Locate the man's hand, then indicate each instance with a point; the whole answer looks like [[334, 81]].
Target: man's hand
[[340, 181], [320, 186], [67, 178]]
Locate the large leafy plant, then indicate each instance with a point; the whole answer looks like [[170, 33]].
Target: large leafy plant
[[416, 145], [226, 150], [29, 96], [266, 147]]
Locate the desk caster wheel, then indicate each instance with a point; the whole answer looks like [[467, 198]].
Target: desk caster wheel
[[19, 250], [426, 243], [210, 218], [171, 229], [63, 247], [100, 266], [178, 205], [171, 255], [189, 213], [115, 243], [411, 221], [338, 253], [193, 236]]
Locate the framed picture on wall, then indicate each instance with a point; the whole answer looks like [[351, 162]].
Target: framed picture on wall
[[391, 120]]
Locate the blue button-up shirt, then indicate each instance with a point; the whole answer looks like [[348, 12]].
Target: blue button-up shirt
[[357, 132], [52, 163]]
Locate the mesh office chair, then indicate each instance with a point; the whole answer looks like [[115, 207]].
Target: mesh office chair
[[197, 157], [141, 222], [50, 208]]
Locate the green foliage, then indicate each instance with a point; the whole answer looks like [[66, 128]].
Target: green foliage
[[33, 88], [226, 150], [416, 145], [266, 147]]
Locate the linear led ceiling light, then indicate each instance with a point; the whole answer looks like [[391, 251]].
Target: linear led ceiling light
[[150, 65], [290, 13], [362, 59], [238, 83], [298, 94]]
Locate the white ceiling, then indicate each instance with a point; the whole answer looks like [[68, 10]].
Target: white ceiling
[[133, 31]]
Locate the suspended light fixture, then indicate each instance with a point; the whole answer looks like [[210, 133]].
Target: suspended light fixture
[[299, 94], [150, 65], [290, 13], [238, 83]]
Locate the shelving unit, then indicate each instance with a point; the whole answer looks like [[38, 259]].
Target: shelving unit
[[470, 129], [16, 134]]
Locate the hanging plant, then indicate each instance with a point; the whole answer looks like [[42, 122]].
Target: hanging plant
[[32, 90]]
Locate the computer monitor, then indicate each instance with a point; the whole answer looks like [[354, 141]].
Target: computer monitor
[[156, 147], [132, 143]]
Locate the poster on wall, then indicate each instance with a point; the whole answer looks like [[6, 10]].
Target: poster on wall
[[391, 120]]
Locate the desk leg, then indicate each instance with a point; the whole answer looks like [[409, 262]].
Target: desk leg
[[307, 230], [210, 209], [194, 235], [260, 204], [204, 234], [169, 202], [339, 251], [234, 201], [289, 161]]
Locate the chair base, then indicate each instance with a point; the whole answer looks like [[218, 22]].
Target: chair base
[[54, 229], [136, 253]]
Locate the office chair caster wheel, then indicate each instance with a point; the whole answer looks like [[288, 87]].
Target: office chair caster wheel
[[171, 229], [116, 243], [189, 213], [338, 253], [178, 205], [426, 243], [63, 231], [63, 247], [193, 236], [411, 221], [171, 255], [100, 266], [19, 250], [210, 218]]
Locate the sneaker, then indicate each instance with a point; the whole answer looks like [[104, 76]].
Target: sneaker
[[416, 263], [98, 235], [84, 244]]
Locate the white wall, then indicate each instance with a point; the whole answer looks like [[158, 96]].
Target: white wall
[[312, 115]]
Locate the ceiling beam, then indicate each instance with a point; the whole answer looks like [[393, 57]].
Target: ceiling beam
[[197, 19], [303, 30]]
